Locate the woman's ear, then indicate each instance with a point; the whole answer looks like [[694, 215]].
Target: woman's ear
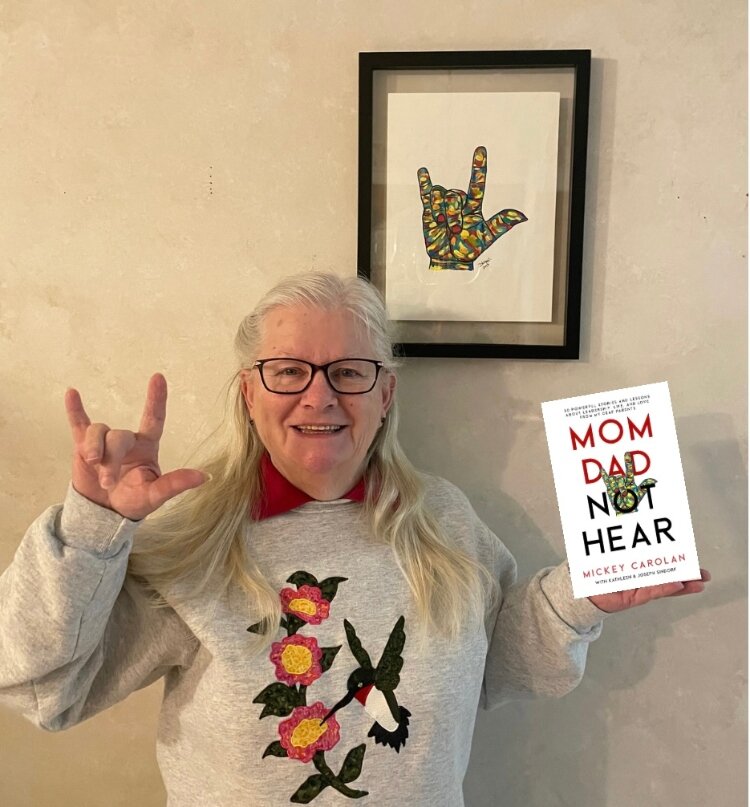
[[248, 390], [389, 390]]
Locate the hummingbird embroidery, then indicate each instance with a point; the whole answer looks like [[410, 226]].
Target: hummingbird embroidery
[[374, 687]]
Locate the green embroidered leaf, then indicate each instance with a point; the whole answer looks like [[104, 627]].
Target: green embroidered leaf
[[282, 623], [302, 695], [275, 749], [337, 784], [355, 645], [352, 766], [260, 627], [293, 624], [329, 654], [302, 579], [309, 789], [329, 586], [279, 700]]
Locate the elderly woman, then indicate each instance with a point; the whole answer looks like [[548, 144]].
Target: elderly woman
[[325, 617]]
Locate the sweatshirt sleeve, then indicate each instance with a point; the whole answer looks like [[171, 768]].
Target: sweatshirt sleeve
[[540, 635], [76, 634]]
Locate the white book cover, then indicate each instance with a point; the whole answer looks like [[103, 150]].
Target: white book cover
[[621, 490]]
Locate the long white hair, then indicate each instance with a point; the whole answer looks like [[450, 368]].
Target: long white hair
[[196, 543]]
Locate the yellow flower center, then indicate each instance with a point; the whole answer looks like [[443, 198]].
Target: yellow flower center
[[303, 606], [307, 732], [297, 659]]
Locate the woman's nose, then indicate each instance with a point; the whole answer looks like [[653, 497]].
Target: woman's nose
[[320, 392]]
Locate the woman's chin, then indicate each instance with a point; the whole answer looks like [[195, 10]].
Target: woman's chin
[[324, 466], [321, 461], [323, 478]]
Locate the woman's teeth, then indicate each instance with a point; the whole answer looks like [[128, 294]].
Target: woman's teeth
[[318, 428]]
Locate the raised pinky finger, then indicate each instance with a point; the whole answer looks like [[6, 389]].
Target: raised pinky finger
[[425, 187]]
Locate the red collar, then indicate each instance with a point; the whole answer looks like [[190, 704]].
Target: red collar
[[280, 495]]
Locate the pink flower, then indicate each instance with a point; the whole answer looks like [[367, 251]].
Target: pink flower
[[303, 734], [297, 659], [306, 602]]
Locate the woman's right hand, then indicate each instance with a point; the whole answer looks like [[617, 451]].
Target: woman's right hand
[[119, 469]]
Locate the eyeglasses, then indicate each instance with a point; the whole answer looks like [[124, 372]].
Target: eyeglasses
[[291, 376]]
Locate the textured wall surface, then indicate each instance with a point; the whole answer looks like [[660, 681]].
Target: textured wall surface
[[163, 164]]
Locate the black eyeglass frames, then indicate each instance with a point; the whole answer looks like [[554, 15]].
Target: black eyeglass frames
[[287, 376]]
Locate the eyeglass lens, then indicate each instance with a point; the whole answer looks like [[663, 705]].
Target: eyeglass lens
[[347, 375]]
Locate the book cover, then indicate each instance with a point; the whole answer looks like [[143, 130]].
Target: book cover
[[621, 490]]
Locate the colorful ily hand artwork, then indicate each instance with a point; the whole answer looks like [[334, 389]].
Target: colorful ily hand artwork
[[455, 230], [309, 731], [622, 490]]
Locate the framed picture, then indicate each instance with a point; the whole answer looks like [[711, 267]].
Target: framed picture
[[472, 169]]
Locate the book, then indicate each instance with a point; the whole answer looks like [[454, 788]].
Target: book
[[621, 490]]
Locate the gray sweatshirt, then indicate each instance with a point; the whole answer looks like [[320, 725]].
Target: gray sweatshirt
[[241, 728]]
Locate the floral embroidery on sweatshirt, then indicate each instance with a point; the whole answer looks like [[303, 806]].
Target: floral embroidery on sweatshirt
[[297, 659], [308, 731], [307, 603]]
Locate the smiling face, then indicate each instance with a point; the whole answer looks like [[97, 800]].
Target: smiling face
[[325, 464]]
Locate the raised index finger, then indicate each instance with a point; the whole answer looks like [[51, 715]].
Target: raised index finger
[[629, 469], [478, 177], [155, 409]]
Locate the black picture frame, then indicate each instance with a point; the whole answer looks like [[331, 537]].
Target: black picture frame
[[564, 71]]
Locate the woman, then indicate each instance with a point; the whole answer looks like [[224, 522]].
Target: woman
[[325, 617]]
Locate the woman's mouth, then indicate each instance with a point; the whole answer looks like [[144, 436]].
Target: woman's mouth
[[318, 430]]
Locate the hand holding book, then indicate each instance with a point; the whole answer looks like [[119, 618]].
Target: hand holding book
[[622, 600]]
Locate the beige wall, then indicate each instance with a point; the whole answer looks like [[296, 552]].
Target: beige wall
[[164, 163]]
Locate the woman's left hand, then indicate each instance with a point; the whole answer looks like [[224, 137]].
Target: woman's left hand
[[622, 600]]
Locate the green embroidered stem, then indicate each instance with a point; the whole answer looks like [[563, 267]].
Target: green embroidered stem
[[319, 760]]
